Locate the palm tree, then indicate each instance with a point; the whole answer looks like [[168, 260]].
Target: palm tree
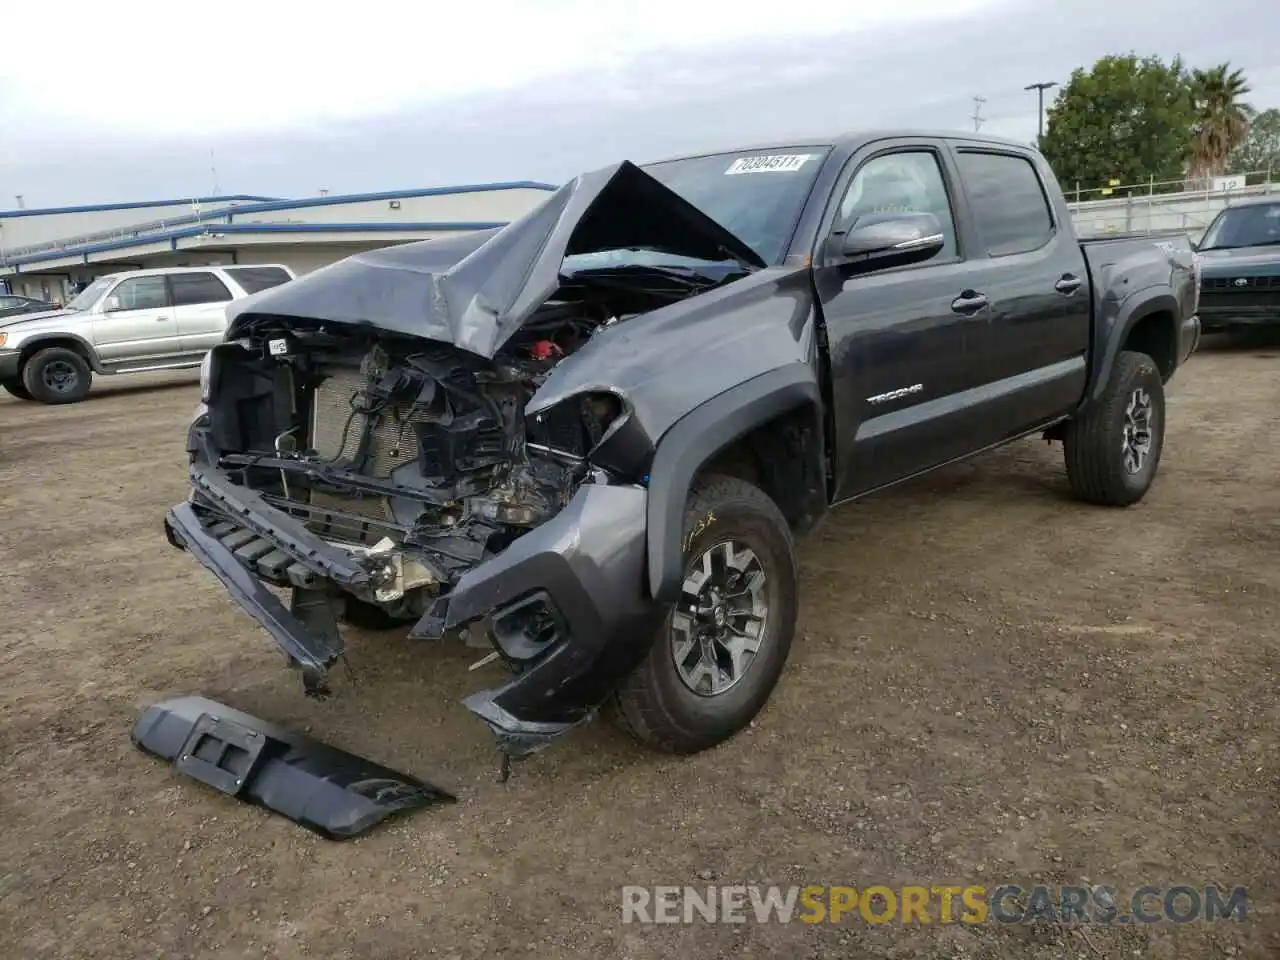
[[1222, 117]]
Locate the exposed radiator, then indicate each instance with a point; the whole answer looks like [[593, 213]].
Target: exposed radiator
[[394, 441], [470, 442]]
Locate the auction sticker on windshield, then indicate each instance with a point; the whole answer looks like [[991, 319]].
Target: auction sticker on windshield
[[783, 163]]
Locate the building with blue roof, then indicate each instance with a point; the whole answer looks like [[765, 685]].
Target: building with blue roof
[[50, 252]]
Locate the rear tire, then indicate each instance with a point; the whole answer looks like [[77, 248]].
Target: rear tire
[[1113, 450], [16, 389], [57, 375], [701, 683]]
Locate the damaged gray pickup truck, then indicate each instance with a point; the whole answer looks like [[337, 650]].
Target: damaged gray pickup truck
[[589, 438]]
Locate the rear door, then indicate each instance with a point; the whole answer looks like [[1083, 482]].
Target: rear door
[[1031, 357], [898, 337], [136, 322], [200, 304]]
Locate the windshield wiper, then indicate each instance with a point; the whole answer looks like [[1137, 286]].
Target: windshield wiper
[[683, 279]]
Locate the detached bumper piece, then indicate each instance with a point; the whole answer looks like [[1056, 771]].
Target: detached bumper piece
[[327, 790]]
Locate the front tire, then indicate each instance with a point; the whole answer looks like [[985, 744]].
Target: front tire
[[1113, 450], [720, 652], [57, 375]]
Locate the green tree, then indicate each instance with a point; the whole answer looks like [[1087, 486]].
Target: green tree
[[1128, 118], [1261, 147], [1222, 118]]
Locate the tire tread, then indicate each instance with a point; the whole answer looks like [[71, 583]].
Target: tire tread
[[1093, 469], [37, 389]]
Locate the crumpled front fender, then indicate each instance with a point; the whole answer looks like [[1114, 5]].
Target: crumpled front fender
[[585, 568]]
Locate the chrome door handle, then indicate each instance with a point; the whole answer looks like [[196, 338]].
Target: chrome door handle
[[161, 319], [969, 302], [1068, 284]]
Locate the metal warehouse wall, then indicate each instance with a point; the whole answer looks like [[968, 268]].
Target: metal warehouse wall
[[301, 257], [42, 288], [467, 207], [27, 227]]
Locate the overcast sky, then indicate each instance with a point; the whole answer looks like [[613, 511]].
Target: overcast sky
[[142, 100]]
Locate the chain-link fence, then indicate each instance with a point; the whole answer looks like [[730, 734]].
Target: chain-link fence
[[1186, 206]]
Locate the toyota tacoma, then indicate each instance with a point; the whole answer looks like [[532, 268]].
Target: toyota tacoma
[[588, 440], [1240, 254]]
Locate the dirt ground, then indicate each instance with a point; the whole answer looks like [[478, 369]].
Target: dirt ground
[[991, 684]]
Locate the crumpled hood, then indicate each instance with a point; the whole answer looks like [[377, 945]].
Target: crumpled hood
[[10, 320], [477, 289], [1234, 261]]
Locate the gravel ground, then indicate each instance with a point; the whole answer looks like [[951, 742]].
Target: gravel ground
[[991, 683]]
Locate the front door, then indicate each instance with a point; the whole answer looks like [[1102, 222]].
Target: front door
[[200, 304], [898, 337], [136, 322]]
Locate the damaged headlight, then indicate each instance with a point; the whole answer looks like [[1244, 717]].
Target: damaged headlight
[[597, 426]]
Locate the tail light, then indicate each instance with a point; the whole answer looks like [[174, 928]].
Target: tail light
[[1196, 266], [206, 369]]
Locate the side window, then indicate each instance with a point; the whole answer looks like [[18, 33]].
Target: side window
[[254, 279], [909, 181], [141, 293], [1008, 201], [193, 288]]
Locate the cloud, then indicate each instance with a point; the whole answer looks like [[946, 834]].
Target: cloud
[[254, 66], [544, 97]]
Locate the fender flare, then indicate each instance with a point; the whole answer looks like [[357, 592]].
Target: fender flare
[[41, 340], [1136, 308], [697, 437]]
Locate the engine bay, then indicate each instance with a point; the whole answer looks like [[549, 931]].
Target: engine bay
[[418, 450], [381, 442]]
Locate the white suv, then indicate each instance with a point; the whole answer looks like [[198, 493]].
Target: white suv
[[164, 319]]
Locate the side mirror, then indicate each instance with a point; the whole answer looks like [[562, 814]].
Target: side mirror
[[112, 303], [891, 240]]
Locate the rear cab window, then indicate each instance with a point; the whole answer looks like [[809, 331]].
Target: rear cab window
[[253, 279], [1008, 200]]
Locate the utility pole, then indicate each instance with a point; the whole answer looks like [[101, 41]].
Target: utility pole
[[1040, 88], [977, 113]]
